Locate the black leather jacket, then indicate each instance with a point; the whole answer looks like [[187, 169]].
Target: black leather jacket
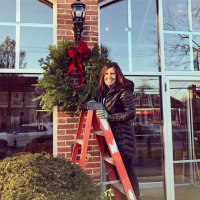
[[120, 106]]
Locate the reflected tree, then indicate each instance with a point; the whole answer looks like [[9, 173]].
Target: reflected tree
[[177, 46], [7, 55]]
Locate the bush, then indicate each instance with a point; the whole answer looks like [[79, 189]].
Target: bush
[[41, 176]]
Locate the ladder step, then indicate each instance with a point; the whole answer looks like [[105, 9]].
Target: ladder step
[[109, 160], [99, 133], [109, 182], [119, 187], [79, 141]]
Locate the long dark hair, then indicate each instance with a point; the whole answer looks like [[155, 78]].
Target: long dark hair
[[121, 81]]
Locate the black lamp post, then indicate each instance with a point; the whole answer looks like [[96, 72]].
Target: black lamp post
[[78, 16]]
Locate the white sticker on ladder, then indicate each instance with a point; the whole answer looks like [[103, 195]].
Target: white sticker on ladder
[[130, 194], [113, 147], [105, 124]]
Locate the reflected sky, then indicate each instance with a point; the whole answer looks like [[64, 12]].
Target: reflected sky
[[33, 40], [35, 48], [175, 15], [179, 89], [7, 10], [114, 34]]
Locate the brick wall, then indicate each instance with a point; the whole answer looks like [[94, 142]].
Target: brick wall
[[64, 21], [67, 122], [66, 130]]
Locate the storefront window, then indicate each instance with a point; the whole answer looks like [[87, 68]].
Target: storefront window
[[130, 33], [113, 32], [175, 15], [26, 32], [7, 10], [7, 47], [33, 11], [35, 48], [144, 36], [177, 52], [148, 131], [24, 127], [195, 15]]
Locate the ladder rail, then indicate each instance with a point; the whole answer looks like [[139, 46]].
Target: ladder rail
[[78, 135], [114, 151], [99, 126], [86, 138], [109, 167]]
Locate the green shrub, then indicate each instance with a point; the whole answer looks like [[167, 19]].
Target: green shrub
[[41, 176]]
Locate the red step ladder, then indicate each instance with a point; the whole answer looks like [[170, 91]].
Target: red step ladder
[[102, 129]]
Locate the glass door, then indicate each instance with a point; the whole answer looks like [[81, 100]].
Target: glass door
[[183, 130]]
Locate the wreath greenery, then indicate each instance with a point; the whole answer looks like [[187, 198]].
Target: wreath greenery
[[58, 87]]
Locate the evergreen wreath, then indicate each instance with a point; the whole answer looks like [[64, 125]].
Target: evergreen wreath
[[57, 88]]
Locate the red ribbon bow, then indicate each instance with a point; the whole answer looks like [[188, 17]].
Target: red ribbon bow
[[77, 55]]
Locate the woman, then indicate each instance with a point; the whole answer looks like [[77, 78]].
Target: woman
[[116, 94]]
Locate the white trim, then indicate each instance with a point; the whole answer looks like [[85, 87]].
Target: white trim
[[22, 71], [190, 15], [187, 161], [129, 14], [55, 119], [191, 53], [127, 73], [182, 32], [169, 146], [182, 73], [17, 11], [99, 24], [26, 24], [103, 3], [54, 21], [151, 185]]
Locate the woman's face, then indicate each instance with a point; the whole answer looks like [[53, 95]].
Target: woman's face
[[110, 77]]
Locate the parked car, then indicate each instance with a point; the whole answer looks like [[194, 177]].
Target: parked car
[[20, 136]]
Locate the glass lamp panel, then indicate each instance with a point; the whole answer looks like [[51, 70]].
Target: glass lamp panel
[[7, 47], [175, 15], [7, 10], [177, 52], [196, 15], [33, 11], [78, 11], [144, 36], [113, 33], [34, 43]]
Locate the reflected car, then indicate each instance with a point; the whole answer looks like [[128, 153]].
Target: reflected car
[[20, 136]]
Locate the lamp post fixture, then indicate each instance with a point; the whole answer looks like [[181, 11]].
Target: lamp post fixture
[[78, 16]]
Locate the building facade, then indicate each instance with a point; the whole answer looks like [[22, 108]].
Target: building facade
[[155, 42]]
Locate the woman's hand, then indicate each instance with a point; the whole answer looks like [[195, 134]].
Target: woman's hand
[[102, 114]]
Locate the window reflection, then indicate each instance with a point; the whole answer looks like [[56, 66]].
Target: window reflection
[[185, 116], [144, 36], [36, 11], [113, 32], [177, 52], [36, 47], [24, 127], [175, 15], [196, 15], [7, 10], [196, 51], [148, 129]]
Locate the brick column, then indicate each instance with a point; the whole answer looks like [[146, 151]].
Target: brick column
[[67, 122]]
